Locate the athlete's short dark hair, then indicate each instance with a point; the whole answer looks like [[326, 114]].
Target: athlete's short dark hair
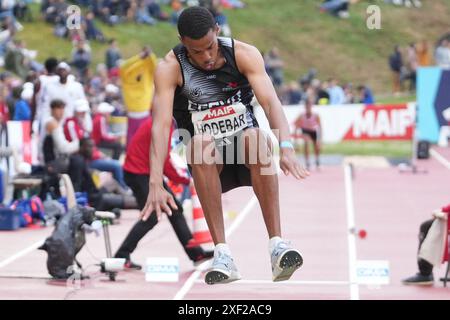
[[195, 22]]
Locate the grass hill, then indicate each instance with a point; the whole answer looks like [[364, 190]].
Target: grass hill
[[341, 48]]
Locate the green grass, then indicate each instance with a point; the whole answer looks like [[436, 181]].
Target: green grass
[[391, 149], [395, 100], [341, 48]]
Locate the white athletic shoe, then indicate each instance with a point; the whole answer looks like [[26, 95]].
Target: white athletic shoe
[[223, 270], [285, 260]]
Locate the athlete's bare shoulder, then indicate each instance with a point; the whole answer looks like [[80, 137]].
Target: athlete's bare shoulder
[[168, 69], [247, 56]]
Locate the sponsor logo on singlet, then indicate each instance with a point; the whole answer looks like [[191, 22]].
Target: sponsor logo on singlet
[[194, 106], [230, 86], [196, 92], [220, 122]]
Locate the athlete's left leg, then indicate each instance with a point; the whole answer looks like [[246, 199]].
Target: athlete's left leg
[[258, 158], [257, 152]]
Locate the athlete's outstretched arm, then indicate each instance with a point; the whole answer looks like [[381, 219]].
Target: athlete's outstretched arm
[[165, 84], [251, 64]]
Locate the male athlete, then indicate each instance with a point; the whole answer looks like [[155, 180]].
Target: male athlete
[[207, 83]]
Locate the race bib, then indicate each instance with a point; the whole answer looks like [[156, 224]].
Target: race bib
[[220, 122]]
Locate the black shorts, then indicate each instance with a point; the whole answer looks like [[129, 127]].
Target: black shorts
[[311, 133], [234, 172]]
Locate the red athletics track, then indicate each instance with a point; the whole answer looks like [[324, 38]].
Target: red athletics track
[[388, 204]]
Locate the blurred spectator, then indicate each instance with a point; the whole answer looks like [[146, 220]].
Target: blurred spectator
[[98, 82], [66, 89], [107, 11], [365, 95], [143, 16], [92, 32], [20, 60], [221, 19], [7, 8], [21, 10], [396, 65], [76, 127], [101, 134], [7, 32], [275, 65], [337, 94], [232, 4], [423, 54], [114, 9], [430, 252], [54, 11], [337, 8], [177, 8], [101, 199], [291, 94], [155, 11], [55, 148], [406, 3], [309, 127], [308, 77], [4, 91], [132, 7], [411, 65], [81, 59], [136, 74], [348, 91], [305, 89], [112, 93], [22, 110], [322, 95], [112, 55], [442, 54], [44, 80]]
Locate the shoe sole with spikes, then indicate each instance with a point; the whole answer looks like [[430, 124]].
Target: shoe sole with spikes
[[286, 265], [216, 276]]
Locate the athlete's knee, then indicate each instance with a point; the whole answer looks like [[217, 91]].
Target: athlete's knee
[[257, 147]]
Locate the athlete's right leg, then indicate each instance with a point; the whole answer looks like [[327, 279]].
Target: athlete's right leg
[[204, 160], [206, 164]]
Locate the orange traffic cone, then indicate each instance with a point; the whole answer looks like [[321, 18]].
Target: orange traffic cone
[[201, 232], [177, 189]]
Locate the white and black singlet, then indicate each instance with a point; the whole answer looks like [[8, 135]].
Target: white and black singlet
[[216, 102]]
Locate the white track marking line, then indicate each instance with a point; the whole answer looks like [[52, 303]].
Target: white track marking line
[[289, 283], [21, 253], [440, 158], [354, 288]]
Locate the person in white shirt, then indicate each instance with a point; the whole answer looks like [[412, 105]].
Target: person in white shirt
[[44, 79], [67, 89], [442, 54]]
